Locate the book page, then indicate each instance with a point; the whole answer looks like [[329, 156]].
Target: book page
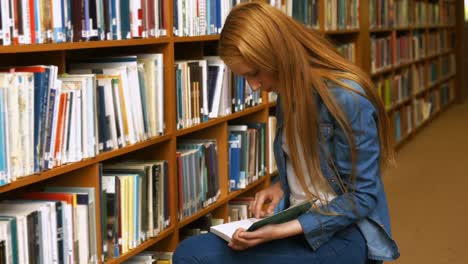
[[225, 231]]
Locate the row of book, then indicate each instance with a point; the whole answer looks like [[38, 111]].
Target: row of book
[[395, 89], [134, 204], [197, 175], [341, 14], [338, 14], [57, 225], [389, 13], [399, 87], [411, 116], [247, 157], [38, 21], [447, 12], [447, 65], [348, 50], [393, 50], [438, 41], [196, 18], [304, 11], [403, 122], [48, 120], [207, 89]]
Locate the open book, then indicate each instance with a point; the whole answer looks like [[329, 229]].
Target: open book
[[225, 231]]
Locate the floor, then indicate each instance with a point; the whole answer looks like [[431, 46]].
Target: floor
[[427, 192]]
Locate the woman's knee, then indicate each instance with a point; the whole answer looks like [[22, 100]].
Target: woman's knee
[[195, 249]]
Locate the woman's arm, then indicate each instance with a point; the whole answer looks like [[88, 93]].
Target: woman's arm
[[361, 198], [242, 239]]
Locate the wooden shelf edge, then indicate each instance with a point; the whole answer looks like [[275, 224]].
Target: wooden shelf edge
[[82, 45], [219, 120], [195, 38], [271, 104], [148, 243], [340, 31], [236, 193], [27, 180], [380, 29], [201, 213], [399, 104], [221, 201]]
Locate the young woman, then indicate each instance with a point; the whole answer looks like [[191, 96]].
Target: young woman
[[332, 142]]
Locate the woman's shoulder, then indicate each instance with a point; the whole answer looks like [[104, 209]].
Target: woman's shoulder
[[350, 98]]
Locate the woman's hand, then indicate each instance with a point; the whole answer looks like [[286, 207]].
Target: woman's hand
[[273, 195], [242, 239]]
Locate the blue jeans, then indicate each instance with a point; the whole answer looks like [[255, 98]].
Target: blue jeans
[[347, 246]]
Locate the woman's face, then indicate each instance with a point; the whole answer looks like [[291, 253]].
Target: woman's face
[[257, 79]]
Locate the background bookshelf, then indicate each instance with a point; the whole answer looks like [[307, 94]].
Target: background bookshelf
[[411, 61]]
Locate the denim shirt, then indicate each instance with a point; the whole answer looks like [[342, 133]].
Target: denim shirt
[[367, 206]]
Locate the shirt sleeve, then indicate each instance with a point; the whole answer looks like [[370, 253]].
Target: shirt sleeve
[[349, 207]]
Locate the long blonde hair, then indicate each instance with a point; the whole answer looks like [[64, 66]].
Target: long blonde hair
[[304, 62]]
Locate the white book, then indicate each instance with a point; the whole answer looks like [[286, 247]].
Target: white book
[[5, 34], [147, 63], [21, 215], [160, 92], [13, 126], [226, 231], [23, 123], [119, 70], [78, 145], [216, 61], [5, 235]]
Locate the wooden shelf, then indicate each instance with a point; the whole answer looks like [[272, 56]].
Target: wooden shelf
[[383, 71], [27, 180], [82, 45], [403, 140], [150, 242], [380, 30], [254, 184], [196, 38], [399, 104], [272, 104], [219, 120], [402, 28], [341, 31]]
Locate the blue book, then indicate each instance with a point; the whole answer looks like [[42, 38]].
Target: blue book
[[397, 126], [218, 16], [125, 19], [234, 163]]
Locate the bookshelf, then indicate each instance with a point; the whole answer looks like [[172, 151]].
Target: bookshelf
[[85, 173]]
